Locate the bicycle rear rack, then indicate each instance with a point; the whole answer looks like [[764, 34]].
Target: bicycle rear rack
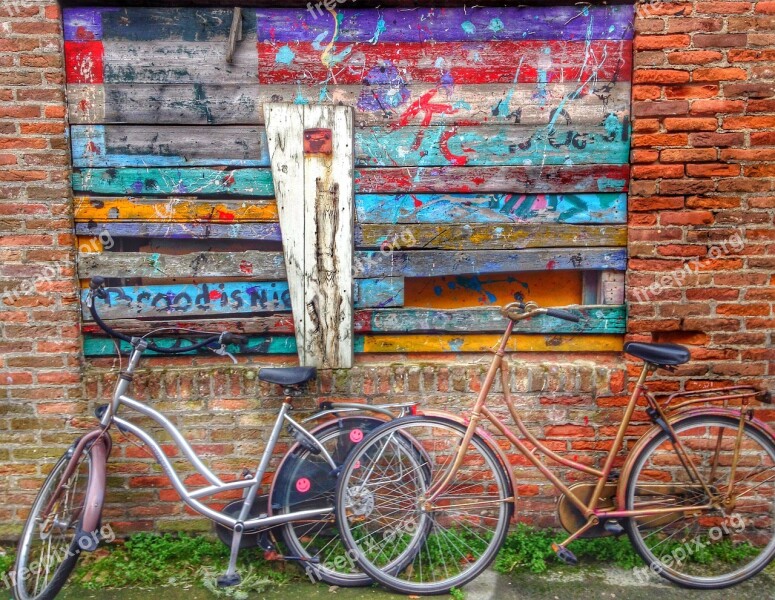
[[738, 394]]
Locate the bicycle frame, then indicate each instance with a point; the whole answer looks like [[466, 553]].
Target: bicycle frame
[[250, 485], [590, 509]]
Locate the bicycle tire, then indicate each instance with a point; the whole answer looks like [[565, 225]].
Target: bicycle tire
[[69, 551], [657, 468], [431, 528]]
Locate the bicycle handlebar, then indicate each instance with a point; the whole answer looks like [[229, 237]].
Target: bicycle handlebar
[[517, 311], [96, 285]]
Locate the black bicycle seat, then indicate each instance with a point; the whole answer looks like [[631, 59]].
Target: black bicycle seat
[[658, 354], [288, 375]]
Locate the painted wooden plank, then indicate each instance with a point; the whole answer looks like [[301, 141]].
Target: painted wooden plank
[[487, 342], [265, 232], [371, 208], [488, 236], [328, 236], [84, 62], [268, 266], [173, 210], [366, 264], [491, 208], [446, 63], [447, 236], [446, 24], [98, 346], [430, 263], [555, 179], [233, 298], [392, 102], [174, 181], [83, 24], [243, 146], [564, 179], [94, 346], [192, 63], [595, 319], [138, 24]]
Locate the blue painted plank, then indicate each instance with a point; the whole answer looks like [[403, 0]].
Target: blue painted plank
[[445, 24], [277, 344], [491, 208], [227, 298]]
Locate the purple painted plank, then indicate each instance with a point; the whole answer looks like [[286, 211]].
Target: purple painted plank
[[83, 24], [447, 24]]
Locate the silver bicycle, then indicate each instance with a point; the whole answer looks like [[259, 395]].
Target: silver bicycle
[[298, 510]]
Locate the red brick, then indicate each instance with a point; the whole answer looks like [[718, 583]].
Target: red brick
[[702, 107], [720, 40], [765, 7], [660, 42], [694, 57], [658, 171], [646, 92], [692, 91], [637, 156], [749, 90], [706, 140], [656, 203], [753, 122], [712, 170], [688, 217], [664, 76], [719, 74], [684, 124], [688, 155], [659, 139], [660, 108], [722, 8]]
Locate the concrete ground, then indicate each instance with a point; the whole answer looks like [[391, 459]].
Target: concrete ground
[[594, 582]]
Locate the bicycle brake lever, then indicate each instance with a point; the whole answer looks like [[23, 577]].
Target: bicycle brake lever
[[223, 352]]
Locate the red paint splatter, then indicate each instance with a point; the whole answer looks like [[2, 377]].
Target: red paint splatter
[[417, 201], [454, 159], [272, 33], [246, 267], [425, 106], [225, 216], [215, 295], [84, 105], [228, 181], [83, 34], [92, 148], [586, 420], [550, 265], [478, 180]]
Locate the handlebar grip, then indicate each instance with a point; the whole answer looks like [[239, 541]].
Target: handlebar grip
[[233, 338], [96, 282], [563, 314]]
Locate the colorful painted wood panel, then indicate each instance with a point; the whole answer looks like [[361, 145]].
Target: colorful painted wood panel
[[491, 164]]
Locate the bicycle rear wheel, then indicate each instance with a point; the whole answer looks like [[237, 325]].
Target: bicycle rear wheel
[[383, 513], [721, 539], [306, 481], [48, 549]]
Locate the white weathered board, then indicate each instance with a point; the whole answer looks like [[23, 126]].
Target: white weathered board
[[315, 199]]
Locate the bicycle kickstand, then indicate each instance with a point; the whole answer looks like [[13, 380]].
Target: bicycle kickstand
[[231, 577]]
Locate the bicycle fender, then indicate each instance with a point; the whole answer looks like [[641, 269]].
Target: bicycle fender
[[87, 534], [487, 437], [675, 420]]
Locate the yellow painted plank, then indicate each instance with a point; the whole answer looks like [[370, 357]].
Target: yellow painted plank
[[487, 342], [173, 210]]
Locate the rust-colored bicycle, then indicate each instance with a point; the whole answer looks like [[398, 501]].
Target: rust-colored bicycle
[[695, 494]]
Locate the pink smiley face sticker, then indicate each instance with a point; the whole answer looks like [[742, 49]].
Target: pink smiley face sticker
[[357, 464], [356, 435], [303, 485]]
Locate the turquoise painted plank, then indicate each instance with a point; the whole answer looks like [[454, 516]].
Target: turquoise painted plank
[[101, 346], [243, 146], [535, 179], [164, 182], [491, 208], [224, 299]]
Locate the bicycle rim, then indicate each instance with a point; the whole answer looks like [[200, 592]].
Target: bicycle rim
[[706, 548], [383, 513], [48, 550]]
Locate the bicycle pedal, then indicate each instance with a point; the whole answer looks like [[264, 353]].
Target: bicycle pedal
[[227, 580], [565, 555], [265, 543], [613, 527]]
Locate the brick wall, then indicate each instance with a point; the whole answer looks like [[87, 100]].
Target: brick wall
[[703, 186], [40, 366], [704, 131]]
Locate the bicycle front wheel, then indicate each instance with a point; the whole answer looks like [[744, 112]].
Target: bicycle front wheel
[[726, 533], [48, 549], [388, 514]]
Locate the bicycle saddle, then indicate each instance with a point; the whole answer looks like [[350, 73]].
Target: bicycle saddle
[[658, 354], [288, 375]]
